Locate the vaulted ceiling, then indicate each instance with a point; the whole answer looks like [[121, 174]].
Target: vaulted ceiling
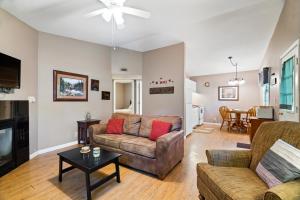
[[211, 29]]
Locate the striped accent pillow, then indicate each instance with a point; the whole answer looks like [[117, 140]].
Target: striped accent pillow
[[280, 164]]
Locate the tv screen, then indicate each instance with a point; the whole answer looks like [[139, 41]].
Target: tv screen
[[10, 71]]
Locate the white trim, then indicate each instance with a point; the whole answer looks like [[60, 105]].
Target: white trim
[[211, 123], [33, 155], [49, 149], [291, 48]]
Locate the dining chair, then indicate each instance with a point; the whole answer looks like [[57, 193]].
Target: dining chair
[[251, 113], [226, 117]]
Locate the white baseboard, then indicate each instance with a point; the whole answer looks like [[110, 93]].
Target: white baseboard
[[49, 149], [211, 123], [34, 155]]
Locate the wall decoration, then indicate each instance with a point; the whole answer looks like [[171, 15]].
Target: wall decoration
[[162, 90], [94, 85], [162, 86], [69, 86], [273, 79], [162, 82], [228, 93], [206, 84], [105, 95]]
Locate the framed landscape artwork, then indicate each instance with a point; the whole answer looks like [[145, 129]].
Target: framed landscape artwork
[[69, 86], [228, 93]]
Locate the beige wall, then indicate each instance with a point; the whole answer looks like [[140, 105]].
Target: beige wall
[[248, 93], [286, 33], [166, 62], [124, 58], [21, 41], [57, 120]]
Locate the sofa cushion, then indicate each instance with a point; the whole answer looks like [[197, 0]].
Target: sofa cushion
[[268, 133], [146, 124], [159, 128], [139, 145], [115, 126], [111, 140], [231, 182], [280, 164], [132, 122]]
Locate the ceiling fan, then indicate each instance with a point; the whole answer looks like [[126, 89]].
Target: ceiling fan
[[115, 10]]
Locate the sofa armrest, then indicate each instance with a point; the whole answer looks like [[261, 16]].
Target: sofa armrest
[[285, 191], [96, 129], [164, 141], [169, 152], [229, 158]]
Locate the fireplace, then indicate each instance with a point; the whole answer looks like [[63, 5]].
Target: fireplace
[[14, 134]]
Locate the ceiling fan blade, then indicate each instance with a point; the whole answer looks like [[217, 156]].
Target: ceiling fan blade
[[136, 12], [96, 12], [120, 2]]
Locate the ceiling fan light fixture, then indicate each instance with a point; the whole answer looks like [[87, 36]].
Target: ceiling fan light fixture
[[107, 15], [118, 16]]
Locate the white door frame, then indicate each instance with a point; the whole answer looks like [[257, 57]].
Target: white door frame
[[291, 115]]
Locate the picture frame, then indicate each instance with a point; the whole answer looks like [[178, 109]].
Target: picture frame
[[105, 95], [69, 86], [94, 85], [228, 93]]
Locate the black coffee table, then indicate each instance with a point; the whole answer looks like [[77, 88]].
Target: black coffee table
[[88, 164]]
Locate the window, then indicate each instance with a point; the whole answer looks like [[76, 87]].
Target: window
[[266, 92], [287, 85]]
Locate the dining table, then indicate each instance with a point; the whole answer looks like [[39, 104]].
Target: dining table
[[238, 121]]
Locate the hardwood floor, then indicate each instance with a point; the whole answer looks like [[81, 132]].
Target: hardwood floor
[[38, 178]]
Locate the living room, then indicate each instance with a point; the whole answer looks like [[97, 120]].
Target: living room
[[55, 41]]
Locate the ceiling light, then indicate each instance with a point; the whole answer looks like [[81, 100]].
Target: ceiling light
[[118, 16], [107, 15], [235, 80]]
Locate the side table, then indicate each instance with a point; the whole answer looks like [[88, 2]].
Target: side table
[[255, 123], [82, 129]]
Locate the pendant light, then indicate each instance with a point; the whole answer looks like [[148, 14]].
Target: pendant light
[[235, 81]]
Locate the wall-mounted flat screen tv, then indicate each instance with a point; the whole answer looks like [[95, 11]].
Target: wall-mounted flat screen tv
[[10, 72]]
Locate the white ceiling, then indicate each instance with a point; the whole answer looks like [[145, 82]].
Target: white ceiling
[[211, 29]]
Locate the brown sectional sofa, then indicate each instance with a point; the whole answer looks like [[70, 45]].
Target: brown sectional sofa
[[155, 157]]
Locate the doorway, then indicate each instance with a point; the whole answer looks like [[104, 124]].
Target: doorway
[[289, 85], [128, 96]]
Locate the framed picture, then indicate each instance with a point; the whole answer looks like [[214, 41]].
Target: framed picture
[[228, 93], [69, 86], [105, 95], [94, 85]]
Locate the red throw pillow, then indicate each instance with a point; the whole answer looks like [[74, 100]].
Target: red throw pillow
[[159, 128], [115, 126]]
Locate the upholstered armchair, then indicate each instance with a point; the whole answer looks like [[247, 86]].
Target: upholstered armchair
[[230, 174]]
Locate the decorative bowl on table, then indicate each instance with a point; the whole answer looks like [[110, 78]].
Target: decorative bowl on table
[[85, 149]]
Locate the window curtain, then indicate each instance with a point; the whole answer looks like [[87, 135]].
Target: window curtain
[[287, 85]]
